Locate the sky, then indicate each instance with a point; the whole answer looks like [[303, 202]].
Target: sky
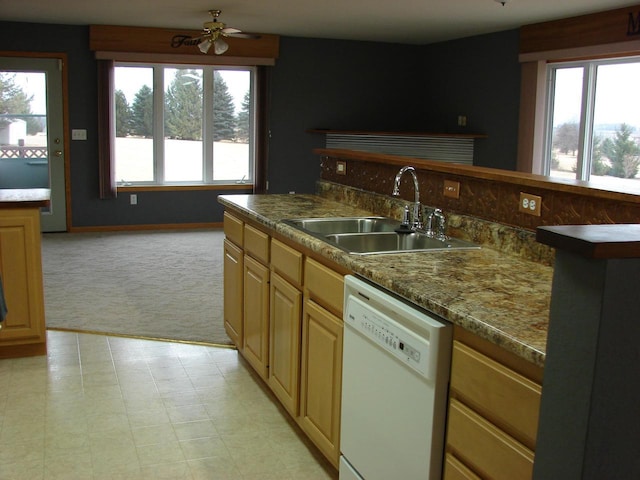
[[130, 80], [34, 84], [617, 98]]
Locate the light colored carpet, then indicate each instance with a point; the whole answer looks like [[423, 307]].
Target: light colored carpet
[[158, 284]]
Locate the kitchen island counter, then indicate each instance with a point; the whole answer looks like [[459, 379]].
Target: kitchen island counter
[[499, 297]]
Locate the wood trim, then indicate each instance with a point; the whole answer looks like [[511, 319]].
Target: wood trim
[[612, 26], [156, 226], [112, 38], [624, 49], [594, 241], [527, 115], [397, 133], [183, 58], [531, 118]]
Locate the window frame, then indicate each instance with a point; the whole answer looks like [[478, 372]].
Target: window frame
[[587, 110], [208, 159]]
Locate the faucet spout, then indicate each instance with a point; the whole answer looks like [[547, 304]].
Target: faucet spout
[[417, 208]]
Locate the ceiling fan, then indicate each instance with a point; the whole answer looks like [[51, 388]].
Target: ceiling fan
[[214, 31]]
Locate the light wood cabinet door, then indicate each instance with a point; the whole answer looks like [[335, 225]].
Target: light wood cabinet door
[[233, 292], [321, 379], [23, 331], [255, 345], [285, 307]]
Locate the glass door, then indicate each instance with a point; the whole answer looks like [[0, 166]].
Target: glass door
[[32, 150]]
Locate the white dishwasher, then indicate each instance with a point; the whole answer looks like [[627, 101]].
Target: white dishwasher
[[395, 377]]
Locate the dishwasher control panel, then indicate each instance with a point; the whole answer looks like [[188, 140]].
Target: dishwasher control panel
[[411, 335], [403, 344]]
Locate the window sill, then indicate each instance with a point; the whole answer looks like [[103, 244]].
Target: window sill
[[184, 187]]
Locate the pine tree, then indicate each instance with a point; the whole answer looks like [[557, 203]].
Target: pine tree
[[623, 153], [242, 132], [224, 119], [142, 113], [13, 100], [123, 115], [183, 106], [598, 166]]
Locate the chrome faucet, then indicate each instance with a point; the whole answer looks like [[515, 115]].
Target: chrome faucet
[[416, 223], [437, 225]]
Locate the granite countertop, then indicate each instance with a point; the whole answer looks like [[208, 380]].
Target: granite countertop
[[499, 297], [24, 197]]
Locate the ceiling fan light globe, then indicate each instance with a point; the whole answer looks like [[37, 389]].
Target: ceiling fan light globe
[[204, 45], [220, 46]]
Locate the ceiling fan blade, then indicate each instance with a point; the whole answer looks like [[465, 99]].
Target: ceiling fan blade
[[241, 35], [229, 30]]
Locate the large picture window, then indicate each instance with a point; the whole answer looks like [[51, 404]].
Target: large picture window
[[184, 124], [593, 122]]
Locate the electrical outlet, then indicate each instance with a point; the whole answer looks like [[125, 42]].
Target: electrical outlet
[[451, 189], [133, 199], [531, 204], [341, 167], [78, 134]]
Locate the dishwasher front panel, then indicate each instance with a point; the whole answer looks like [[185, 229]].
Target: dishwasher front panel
[[393, 416]]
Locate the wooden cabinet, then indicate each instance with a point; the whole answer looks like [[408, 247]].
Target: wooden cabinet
[[285, 325], [246, 290], [493, 412], [23, 332], [288, 326], [233, 291], [233, 278], [255, 345], [321, 378]]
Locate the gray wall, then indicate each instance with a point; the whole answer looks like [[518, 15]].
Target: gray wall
[[314, 84]]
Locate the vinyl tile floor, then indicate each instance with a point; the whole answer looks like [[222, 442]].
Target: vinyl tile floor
[[101, 407]]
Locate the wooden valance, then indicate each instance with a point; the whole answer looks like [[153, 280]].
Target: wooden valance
[[127, 43], [610, 27]]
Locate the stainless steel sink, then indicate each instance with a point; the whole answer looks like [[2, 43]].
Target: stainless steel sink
[[374, 235], [391, 242], [338, 225]]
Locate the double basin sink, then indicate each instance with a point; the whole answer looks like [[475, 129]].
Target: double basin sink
[[374, 235]]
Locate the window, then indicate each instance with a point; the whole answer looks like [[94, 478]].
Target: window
[[593, 122], [184, 124]]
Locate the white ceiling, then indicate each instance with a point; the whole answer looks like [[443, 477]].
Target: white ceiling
[[398, 21]]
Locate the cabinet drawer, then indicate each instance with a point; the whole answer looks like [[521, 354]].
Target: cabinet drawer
[[286, 261], [454, 469], [324, 285], [233, 229], [256, 243], [505, 397], [485, 448]]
